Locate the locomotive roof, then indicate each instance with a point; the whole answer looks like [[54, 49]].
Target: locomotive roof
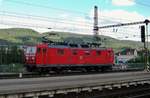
[[73, 45]]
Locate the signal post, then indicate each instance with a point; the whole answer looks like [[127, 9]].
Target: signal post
[[143, 35]]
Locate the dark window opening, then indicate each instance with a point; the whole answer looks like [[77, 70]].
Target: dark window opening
[[74, 52], [38, 50], [60, 51], [98, 53], [87, 52], [44, 50]]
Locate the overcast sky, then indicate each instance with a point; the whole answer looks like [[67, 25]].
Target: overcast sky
[[75, 15]]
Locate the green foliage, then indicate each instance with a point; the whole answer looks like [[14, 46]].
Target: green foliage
[[11, 68], [139, 59], [11, 59], [136, 65], [19, 36], [11, 54]]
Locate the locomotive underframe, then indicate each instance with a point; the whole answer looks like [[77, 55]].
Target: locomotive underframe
[[61, 68]]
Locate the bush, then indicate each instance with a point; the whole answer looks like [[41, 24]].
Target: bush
[[11, 59], [11, 68], [11, 54]]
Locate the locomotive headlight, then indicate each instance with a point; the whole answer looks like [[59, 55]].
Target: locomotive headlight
[[32, 58], [27, 58]]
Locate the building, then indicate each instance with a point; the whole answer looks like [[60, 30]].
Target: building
[[126, 55]]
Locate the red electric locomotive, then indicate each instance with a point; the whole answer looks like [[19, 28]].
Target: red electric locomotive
[[63, 56]]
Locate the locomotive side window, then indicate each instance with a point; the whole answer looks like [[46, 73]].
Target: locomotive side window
[[60, 51], [44, 50], [111, 53], [74, 52], [98, 53], [87, 52], [38, 50]]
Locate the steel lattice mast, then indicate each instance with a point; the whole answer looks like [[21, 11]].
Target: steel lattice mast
[[95, 26]]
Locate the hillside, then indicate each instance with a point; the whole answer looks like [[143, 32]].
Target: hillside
[[29, 36], [19, 36]]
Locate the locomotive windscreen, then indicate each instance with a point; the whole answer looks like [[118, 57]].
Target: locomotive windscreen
[[31, 50]]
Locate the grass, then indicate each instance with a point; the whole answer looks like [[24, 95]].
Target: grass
[[19, 36]]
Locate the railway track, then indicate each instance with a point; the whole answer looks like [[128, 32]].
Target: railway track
[[38, 75], [139, 91], [52, 86]]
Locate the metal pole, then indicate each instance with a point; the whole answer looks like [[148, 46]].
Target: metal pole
[[95, 27], [145, 56], [147, 52]]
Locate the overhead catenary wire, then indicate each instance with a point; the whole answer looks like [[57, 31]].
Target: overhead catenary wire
[[45, 27], [72, 22], [125, 24], [51, 20], [47, 7], [120, 33], [61, 19], [48, 19], [64, 10], [39, 26], [123, 32], [20, 24], [40, 17], [17, 15]]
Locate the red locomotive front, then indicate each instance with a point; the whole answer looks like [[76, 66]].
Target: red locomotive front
[[62, 56]]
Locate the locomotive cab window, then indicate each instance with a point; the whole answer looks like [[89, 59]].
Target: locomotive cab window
[[44, 50], [60, 52], [98, 53], [31, 50]]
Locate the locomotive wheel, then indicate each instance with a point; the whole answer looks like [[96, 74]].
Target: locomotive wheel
[[104, 69], [97, 69], [84, 69], [29, 69], [58, 70], [42, 70]]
